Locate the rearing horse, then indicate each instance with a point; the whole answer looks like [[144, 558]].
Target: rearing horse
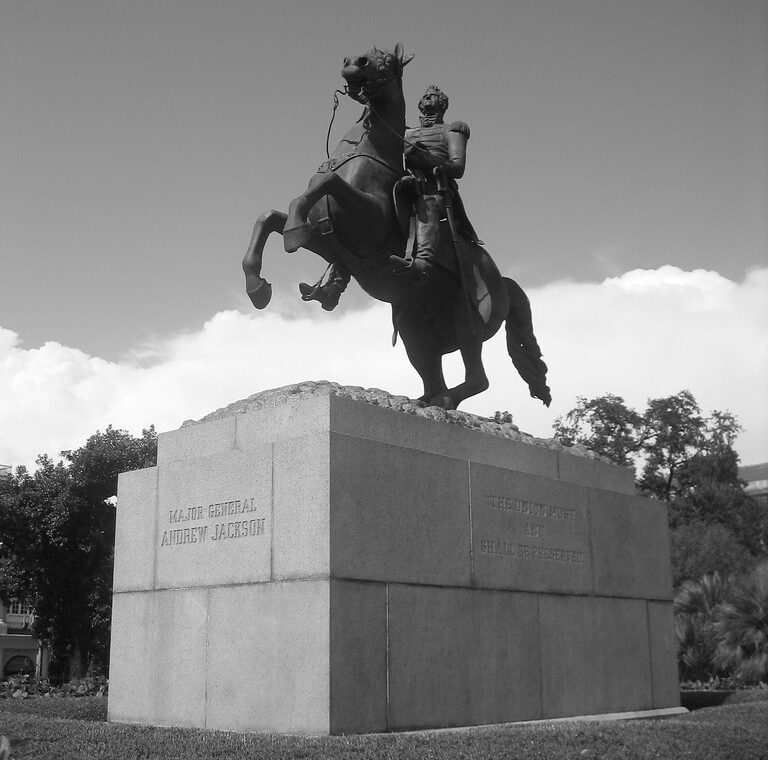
[[349, 216]]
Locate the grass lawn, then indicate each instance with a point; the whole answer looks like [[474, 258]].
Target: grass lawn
[[75, 729]]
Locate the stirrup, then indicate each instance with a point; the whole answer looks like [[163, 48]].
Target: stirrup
[[400, 264], [328, 295]]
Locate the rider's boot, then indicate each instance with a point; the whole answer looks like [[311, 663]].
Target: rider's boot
[[328, 295], [427, 236]]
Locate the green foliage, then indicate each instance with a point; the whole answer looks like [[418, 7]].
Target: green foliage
[[741, 626], [673, 433], [687, 460], [58, 531], [604, 425], [722, 627], [29, 687], [699, 549], [695, 606]]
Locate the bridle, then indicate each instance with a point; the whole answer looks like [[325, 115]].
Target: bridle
[[369, 107]]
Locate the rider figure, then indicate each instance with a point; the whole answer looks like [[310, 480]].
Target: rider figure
[[433, 146]]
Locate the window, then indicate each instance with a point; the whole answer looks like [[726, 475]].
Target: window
[[19, 608]]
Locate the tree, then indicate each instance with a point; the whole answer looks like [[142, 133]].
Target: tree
[[685, 459], [699, 549], [58, 530], [672, 433], [604, 425]]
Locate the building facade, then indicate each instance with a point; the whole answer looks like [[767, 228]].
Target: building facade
[[756, 478], [20, 651]]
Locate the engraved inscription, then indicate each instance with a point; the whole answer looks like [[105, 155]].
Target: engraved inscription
[[217, 530], [533, 520], [241, 529], [531, 508], [526, 551]]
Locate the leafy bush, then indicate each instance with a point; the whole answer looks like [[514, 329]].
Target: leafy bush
[[695, 608], [28, 687], [698, 549], [722, 627], [741, 627]]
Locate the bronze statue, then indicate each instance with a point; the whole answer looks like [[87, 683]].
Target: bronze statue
[[355, 214], [435, 155]]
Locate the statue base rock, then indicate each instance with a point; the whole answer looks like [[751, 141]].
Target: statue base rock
[[310, 561]]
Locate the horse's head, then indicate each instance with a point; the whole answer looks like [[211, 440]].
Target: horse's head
[[375, 76]]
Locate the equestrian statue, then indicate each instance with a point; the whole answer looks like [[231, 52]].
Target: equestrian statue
[[385, 209]]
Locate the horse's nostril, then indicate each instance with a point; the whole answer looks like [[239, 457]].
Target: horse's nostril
[[361, 62]]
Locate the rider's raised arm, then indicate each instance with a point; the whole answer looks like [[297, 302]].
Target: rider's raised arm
[[458, 136]]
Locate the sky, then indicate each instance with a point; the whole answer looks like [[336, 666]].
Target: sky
[[617, 169]]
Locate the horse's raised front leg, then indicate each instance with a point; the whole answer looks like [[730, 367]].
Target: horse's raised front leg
[[257, 288], [298, 231]]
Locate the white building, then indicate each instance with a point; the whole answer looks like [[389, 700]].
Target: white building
[[20, 652]]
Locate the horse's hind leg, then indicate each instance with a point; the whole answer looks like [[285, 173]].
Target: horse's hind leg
[[475, 379], [471, 347], [258, 289]]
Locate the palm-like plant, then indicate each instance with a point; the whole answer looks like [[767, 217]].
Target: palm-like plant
[[696, 606], [741, 628]]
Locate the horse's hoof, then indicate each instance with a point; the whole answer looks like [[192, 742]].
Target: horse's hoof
[[261, 294], [443, 400], [296, 237]]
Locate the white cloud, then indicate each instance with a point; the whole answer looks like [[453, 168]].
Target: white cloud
[[644, 334]]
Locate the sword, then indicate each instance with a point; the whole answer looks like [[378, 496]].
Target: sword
[[467, 276]]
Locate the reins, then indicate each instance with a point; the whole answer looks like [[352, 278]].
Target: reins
[[336, 94], [369, 107]]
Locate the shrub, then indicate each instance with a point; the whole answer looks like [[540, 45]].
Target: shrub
[[699, 549], [722, 627], [28, 687], [695, 606], [741, 628]]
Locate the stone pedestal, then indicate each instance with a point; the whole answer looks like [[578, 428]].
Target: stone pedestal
[[324, 565]]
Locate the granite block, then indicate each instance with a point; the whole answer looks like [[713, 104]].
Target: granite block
[[358, 657], [529, 533], [193, 441], [398, 514], [296, 418], [462, 657], [267, 665], [595, 655], [214, 521], [301, 512], [661, 630], [158, 653], [375, 423], [136, 530], [630, 546], [402, 572], [595, 473]]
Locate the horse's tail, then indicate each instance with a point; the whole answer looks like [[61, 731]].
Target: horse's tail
[[522, 344]]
